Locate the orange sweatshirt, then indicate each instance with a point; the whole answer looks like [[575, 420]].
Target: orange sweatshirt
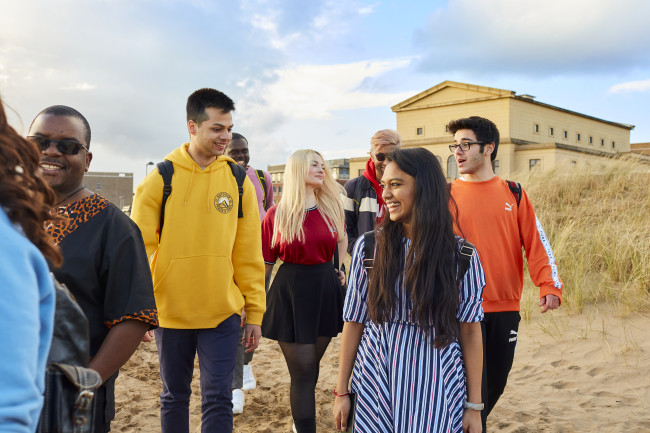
[[490, 219]]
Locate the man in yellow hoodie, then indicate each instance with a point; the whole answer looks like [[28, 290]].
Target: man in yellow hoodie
[[206, 264]]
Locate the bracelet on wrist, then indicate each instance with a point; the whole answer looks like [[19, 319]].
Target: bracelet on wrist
[[343, 394], [473, 406]]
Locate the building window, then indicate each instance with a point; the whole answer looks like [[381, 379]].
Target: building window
[[613, 144], [495, 166], [361, 170], [439, 160], [536, 128], [534, 163], [591, 140], [452, 168], [419, 131], [578, 137], [279, 189], [99, 185], [602, 142], [550, 131], [566, 134], [446, 128]]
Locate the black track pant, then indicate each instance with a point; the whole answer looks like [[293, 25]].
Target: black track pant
[[500, 331]]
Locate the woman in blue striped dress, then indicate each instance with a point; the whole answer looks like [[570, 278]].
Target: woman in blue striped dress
[[412, 338]]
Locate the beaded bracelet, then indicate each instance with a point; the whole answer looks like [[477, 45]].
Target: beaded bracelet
[[341, 395]]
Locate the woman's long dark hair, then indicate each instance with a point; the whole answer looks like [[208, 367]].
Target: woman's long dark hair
[[430, 274], [24, 196]]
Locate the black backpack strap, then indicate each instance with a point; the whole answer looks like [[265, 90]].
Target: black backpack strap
[[240, 175], [515, 188], [369, 250], [465, 254], [166, 170], [262, 179]]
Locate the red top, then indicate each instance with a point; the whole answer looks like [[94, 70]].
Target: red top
[[317, 247]]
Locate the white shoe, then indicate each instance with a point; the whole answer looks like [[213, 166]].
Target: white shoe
[[238, 400], [294, 428], [249, 379]]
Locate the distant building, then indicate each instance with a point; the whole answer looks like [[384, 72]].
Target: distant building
[[533, 134], [116, 187], [340, 169]]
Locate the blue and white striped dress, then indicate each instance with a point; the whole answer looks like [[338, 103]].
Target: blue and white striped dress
[[403, 383]]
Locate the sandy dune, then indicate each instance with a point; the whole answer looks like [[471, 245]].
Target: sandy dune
[[589, 372]]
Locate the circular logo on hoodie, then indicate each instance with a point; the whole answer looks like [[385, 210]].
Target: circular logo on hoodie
[[223, 202]]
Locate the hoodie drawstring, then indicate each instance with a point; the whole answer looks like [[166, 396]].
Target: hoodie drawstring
[[189, 187]]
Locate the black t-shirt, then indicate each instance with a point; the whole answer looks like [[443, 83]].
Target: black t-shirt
[[105, 266]]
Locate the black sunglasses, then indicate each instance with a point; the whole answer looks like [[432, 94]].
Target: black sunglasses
[[66, 146], [380, 156]]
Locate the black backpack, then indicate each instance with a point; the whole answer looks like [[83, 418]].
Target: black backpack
[[515, 189], [464, 255], [262, 179], [166, 170], [69, 384]]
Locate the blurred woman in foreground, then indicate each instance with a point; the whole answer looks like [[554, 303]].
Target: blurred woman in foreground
[[26, 288]]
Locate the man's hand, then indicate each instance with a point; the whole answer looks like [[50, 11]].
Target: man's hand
[[242, 323], [252, 336], [549, 302]]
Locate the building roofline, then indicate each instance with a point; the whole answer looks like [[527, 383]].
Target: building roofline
[[495, 94]]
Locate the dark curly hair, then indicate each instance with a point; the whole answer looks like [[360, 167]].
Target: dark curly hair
[[24, 195], [430, 276]]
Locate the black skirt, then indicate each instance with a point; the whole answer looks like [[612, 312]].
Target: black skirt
[[303, 303]]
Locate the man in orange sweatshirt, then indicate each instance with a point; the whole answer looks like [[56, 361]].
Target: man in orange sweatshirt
[[499, 222]]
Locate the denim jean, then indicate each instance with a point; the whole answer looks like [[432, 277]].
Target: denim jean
[[216, 348]]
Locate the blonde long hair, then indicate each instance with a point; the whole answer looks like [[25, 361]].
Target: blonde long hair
[[290, 213]]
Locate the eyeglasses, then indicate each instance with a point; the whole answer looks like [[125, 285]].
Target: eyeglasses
[[380, 156], [66, 146], [464, 145]]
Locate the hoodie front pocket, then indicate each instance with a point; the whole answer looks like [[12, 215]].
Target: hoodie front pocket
[[197, 285]]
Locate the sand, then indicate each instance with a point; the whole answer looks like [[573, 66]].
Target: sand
[[580, 373]]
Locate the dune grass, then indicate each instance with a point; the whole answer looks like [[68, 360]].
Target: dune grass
[[597, 217]]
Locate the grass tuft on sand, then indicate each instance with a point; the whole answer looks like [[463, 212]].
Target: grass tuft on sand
[[597, 217]]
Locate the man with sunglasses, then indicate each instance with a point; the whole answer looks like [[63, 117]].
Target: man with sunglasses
[[499, 221], [105, 264], [364, 206]]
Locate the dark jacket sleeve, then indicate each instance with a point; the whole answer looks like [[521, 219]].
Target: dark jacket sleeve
[[351, 213]]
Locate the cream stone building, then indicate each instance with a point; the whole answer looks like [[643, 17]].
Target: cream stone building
[[533, 134]]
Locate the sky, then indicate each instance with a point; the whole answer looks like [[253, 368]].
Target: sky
[[309, 74]]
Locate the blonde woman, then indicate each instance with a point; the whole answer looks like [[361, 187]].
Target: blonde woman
[[304, 306]]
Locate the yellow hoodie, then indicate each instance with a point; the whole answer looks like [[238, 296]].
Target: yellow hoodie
[[209, 263]]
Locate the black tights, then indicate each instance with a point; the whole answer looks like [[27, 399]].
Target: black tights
[[303, 361]]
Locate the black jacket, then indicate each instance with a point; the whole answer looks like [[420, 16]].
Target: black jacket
[[360, 209]]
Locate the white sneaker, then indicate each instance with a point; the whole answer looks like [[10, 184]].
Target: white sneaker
[[238, 400], [294, 428], [249, 379]]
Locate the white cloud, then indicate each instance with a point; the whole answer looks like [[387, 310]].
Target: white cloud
[[550, 38], [79, 86], [268, 24], [367, 10], [314, 91], [631, 86]]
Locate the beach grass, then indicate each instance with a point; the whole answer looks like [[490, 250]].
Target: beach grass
[[597, 217]]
